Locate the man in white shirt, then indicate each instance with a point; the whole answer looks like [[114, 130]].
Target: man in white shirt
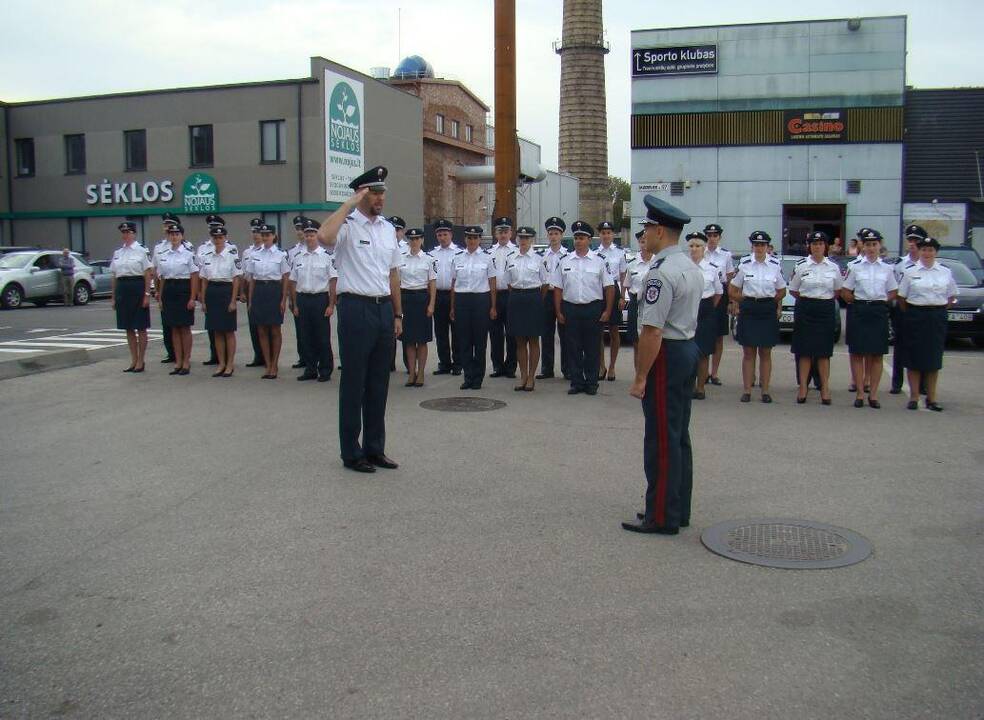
[[448, 360]]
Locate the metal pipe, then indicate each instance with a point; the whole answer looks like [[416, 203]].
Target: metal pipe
[[980, 186], [506, 143]]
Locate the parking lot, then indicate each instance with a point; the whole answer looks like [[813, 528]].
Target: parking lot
[[192, 547]]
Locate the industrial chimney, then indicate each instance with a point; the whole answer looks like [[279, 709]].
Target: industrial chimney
[[583, 114]]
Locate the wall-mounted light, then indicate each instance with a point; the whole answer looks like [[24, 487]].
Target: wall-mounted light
[[854, 24]]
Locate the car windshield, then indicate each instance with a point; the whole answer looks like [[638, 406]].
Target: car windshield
[[961, 275], [965, 255], [15, 260]]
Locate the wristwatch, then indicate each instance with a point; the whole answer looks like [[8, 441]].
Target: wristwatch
[[398, 317]]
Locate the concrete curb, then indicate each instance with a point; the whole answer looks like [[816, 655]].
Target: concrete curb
[[46, 362]]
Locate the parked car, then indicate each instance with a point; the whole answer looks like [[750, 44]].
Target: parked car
[[965, 318], [34, 276], [102, 280], [967, 255], [6, 249]]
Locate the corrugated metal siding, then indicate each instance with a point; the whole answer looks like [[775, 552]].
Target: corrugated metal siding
[[942, 130]]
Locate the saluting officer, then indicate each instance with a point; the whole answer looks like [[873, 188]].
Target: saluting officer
[[473, 303], [177, 274], [502, 250], [448, 358], [552, 256], [723, 259], [131, 271], [254, 335], [665, 371], [913, 234], [168, 220], [583, 300], [310, 282], [369, 316], [614, 257]]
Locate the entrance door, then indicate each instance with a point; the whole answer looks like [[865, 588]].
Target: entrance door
[[798, 221]]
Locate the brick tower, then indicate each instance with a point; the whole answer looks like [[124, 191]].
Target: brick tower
[[583, 114]]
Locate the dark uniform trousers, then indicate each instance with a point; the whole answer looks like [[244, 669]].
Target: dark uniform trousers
[[583, 342], [297, 334], [314, 334], [667, 454], [254, 338], [365, 346], [547, 339], [471, 328], [212, 355], [448, 356], [499, 338], [168, 340], [898, 351]]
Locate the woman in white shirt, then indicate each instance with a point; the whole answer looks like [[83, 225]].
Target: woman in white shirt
[[268, 268], [418, 291], [130, 292], [869, 289], [707, 319], [926, 291], [220, 275], [178, 274], [526, 278]]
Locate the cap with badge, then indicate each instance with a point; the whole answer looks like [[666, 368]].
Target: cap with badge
[[639, 234], [443, 224], [398, 222], [928, 242], [298, 221], [214, 220], [817, 236], [759, 237], [660, 212], [697, 235], [310, 225], [267, 229], [525, 231], [254, 223], [127, 226], [555, 223], [374, 179], [502, 223], [605, 225], [862, 232], [915, 231], [414, 234], [579, 227], [713, 228], [217, 230], [870, 234], [175, 228], [473, 230], [169, 218]]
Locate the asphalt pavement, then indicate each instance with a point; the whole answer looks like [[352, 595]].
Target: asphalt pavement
[[190, 547]]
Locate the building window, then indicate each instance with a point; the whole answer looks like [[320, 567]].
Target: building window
[[25, 157], [135, 147], [469, 133], [454, 129], [273, 141], [74, 154], [201, 145], [76, 235], [439, 124]]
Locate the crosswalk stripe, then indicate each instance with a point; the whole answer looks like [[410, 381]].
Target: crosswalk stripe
[[41, 344], [16, 350]]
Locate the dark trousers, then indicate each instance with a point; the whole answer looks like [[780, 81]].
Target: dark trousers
[[168, 340], [471, 328], [667, 453], [314, 334], [550, 324], [406, 365], [365, 345], [898, 350], [297, 334], [583, 342], [254, 338], [444, 334], [211, 347], [499, 339]]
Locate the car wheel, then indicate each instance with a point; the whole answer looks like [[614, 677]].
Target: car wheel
[[82, 293], [12, 297], [39, 303]]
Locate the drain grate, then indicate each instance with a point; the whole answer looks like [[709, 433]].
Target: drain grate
[[785, 543], [462, 404]]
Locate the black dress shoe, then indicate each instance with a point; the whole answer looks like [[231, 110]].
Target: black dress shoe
[[698, 395], [574, 391], [476, 386], [714, 380], [649, 528], [895, 390], [176, 371], [497, 373], [642, 516], [324, 378], [307, 376], [167, 360], [361, 465], [590, 391], [456, 371], [441, 371], [936, 407], [382, 461], [746, 397], [544, 376], [912, 405], [766, 398], [130, 369], [256, 363], [466, 386], [211, 361], [297, 366], [858, 402], [184, 371]]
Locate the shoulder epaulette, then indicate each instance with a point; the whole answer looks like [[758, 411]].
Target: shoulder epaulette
[[459, 252], [657, 263], [773, 261], [801, 261]]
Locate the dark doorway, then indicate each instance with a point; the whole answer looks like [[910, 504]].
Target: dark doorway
[[798, 221]]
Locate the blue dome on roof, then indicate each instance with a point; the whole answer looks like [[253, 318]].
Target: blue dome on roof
[[413, 66]]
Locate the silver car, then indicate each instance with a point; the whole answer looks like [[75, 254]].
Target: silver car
[[34, 277]]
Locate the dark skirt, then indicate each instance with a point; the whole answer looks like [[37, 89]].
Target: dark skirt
[[264, 307], [417, 327], [813, 327], [924, 336], [130, 312], [174, 303], [218, 295], [758, 323], [632, 321], [721, 315], [524, 313], [706, 335], [616, 316], [867, 328]]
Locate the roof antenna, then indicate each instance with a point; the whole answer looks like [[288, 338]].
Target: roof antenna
[[399, 34]]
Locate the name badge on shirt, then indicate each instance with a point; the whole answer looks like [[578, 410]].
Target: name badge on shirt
[[567, 269], [364, 242]]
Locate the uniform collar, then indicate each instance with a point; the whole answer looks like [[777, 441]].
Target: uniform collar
[[924, 266], [866, 261], [809, 259], [364, 219], [317, 250], [667, 251]]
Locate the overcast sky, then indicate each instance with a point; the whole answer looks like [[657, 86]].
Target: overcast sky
[[58, 49]]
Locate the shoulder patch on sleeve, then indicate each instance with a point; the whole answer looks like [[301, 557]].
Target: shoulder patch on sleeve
[[654, 287]]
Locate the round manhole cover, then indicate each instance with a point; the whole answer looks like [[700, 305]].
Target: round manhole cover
[[785, 543], [462, 404]]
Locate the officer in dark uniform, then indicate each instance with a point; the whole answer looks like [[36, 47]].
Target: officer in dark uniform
[[666, 367], [400, 225], [254, 334], [552, 256], [913, 235], [503, 364], [168, 221], [369, 315], [448, 355]]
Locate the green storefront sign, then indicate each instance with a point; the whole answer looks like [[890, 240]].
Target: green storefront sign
[[201, 194]]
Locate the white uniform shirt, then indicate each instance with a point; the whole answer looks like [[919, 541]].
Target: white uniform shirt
[[221, 266], [552, 258], [636, 272], [472, 271], [267, 263], [404, 246], [176, 264], [759, 279], [300, 247], [928, 285], [713, 278], [582, 278], [417, 270], [615, 257], [525, 271], [312, 271], [816, 280], [870, 280], [902, 267], [130, 261], [444, 264], [365, 253], [247, 254], [162, 245], [722, 258], [501, 253]]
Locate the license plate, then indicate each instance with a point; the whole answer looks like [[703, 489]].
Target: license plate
[[786, 317], [960, 316]]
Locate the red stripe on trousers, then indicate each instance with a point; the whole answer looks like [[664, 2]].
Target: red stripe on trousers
[[663, 457]]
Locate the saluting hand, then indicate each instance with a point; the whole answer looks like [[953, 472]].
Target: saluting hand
[[357, 196], [638, 388]]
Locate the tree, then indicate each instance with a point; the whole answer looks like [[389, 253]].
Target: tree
[[620, 190]]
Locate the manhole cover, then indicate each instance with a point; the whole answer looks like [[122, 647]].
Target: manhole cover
[[462, 404], [785, 543]]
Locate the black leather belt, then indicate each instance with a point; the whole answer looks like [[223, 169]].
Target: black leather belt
[[871, 302], [374, 299], [267, 282]]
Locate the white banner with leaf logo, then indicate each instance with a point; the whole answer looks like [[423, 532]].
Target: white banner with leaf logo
[[344, 135]]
